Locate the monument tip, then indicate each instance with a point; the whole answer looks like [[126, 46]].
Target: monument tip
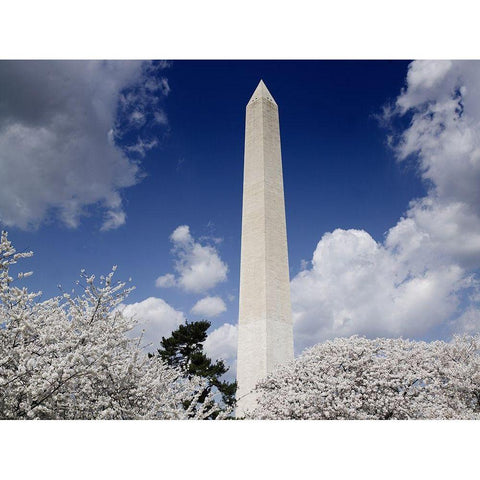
[[262, 92]]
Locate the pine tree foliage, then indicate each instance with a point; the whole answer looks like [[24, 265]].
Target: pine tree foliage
[[184, 350], [70, 357]]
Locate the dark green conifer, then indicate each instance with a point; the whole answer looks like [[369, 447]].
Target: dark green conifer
[[184, 349]]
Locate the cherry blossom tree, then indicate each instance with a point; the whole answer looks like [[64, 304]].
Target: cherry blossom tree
[[70, 357], [357, 378], [462, 368]]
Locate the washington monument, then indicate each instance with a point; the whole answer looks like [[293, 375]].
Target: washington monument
[[265, 333]]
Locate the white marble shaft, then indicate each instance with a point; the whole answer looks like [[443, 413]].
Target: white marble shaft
[[265, 336]]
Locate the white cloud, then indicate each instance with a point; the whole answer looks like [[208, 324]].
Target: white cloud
[[437, 232], [468, 322], [357, 286], [209, 307], [444, 101], [161, 117], [137, 118], [419, 281], [166, 281], [155, 317], [221, 344], [142, 146], [198, 266], [155, 84], [181, 235], [423, 75], [113, 219], [58, 132]]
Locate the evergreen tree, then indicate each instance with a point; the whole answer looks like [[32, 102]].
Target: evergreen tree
[[184, 349]]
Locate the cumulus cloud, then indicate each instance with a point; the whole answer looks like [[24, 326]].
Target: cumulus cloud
[[422, 279], [199, 267], [156, 319], [181, 235], [166, 281], [62, 129], [209, 307], [221, 344], [358, 286]]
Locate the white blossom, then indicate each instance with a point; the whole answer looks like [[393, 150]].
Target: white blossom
[[69, 357], [357, 378]]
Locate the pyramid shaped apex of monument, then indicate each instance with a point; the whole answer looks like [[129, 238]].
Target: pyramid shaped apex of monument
[[262, 92]]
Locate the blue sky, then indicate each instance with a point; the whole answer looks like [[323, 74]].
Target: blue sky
[[103, 161]]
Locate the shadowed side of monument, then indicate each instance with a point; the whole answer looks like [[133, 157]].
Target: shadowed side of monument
[[265, 337]]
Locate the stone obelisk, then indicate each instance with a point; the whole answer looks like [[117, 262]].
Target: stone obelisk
[[265, 333]]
